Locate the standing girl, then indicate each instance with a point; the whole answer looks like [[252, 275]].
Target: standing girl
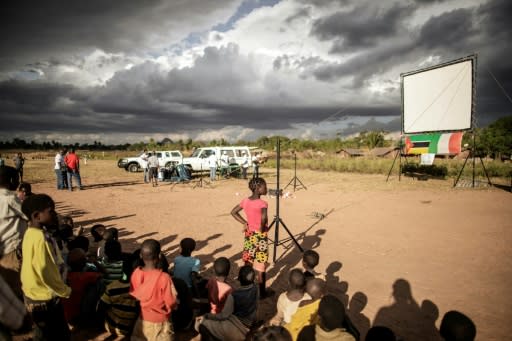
[[255, 229]]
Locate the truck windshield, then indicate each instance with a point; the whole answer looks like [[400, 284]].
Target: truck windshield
[[196, 153]]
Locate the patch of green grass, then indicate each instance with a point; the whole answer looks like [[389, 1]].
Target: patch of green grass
[[382, 165]]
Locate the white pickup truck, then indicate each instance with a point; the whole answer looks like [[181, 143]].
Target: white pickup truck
[[198, 161], [166, 158]]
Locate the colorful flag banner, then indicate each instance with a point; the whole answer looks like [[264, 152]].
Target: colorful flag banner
[[434, 143]]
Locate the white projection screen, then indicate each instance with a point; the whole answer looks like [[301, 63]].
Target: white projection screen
[[439, 98]]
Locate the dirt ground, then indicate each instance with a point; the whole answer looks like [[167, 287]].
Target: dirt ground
[[399, 253]]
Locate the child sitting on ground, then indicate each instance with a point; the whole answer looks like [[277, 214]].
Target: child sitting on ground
[[97, 232], [109, 234], [455, 326], [331, 314], [68, 220], [186, 267], [24, 191], [218, 289], [81, 305], [43, 270], [289, 301], [307, 311], [310, 260], [155, 291], [63, 236], [112, 262], [81, 242], [118, 308], [238, 315]]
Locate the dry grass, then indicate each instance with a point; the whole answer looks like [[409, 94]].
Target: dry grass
[[38, 171]]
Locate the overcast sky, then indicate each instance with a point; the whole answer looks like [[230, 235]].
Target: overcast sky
[[127, 70]]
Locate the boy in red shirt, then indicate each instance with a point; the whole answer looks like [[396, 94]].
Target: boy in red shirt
[[155, 291], [73, 166], [218, 289], [84, 290]]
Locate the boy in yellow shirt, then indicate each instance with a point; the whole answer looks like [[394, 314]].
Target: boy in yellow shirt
[[43, 270]]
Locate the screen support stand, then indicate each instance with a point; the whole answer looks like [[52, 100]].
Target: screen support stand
[[295, 179], [473, 152], [277, 219], [398, 156]]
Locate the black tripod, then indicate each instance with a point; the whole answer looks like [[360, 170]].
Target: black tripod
[[398, 156], [199, 183], [295, 179], [472, 152], [277, 219]]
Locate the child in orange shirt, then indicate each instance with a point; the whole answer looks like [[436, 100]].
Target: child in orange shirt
[[155, 291]]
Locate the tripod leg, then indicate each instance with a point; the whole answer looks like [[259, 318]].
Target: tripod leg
[[392, 165], [291, 236], [460, 173], [301, 183], [485, 171], [289, 183]]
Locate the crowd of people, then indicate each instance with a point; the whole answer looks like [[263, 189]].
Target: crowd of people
[[54, 279]]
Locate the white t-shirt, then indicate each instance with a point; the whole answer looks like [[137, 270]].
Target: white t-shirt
[[144, 160], [245, 161], [58, 161], [224, 160], [153, 161], [13, 222], [212, 161]]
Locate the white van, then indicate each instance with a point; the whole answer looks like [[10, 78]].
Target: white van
[[198, 161]]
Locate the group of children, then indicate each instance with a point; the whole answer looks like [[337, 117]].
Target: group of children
[[67, 281]]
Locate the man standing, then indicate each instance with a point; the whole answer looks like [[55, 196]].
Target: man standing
[[153, 169], [73, 165], [13, 224], [224, 164], [212, 163], [59, 167], [245, 164], [255, 165], [144, 164], [19, 161]]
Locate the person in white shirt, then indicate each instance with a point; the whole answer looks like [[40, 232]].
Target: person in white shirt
[[153, 169], [59, 167], [224, 164], [245, 164], [212, 163], [13, 224], [144, 165], [255, 165]]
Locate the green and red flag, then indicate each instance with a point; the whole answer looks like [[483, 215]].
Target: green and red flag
[[433, 143]]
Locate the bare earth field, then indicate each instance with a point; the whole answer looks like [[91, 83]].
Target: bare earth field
[[445, 248]]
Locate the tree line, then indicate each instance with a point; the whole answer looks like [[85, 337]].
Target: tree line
[[494, 141]]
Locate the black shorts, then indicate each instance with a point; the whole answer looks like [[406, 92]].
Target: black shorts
[[153, 172]]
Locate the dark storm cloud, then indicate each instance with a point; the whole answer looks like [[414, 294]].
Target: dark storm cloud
[[450, 30], [224, 87], [372, 125], [364, 26], [28, 97], [55, 27], [362, 67]]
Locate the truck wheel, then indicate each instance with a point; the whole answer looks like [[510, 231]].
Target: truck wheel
[[133, 168]]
